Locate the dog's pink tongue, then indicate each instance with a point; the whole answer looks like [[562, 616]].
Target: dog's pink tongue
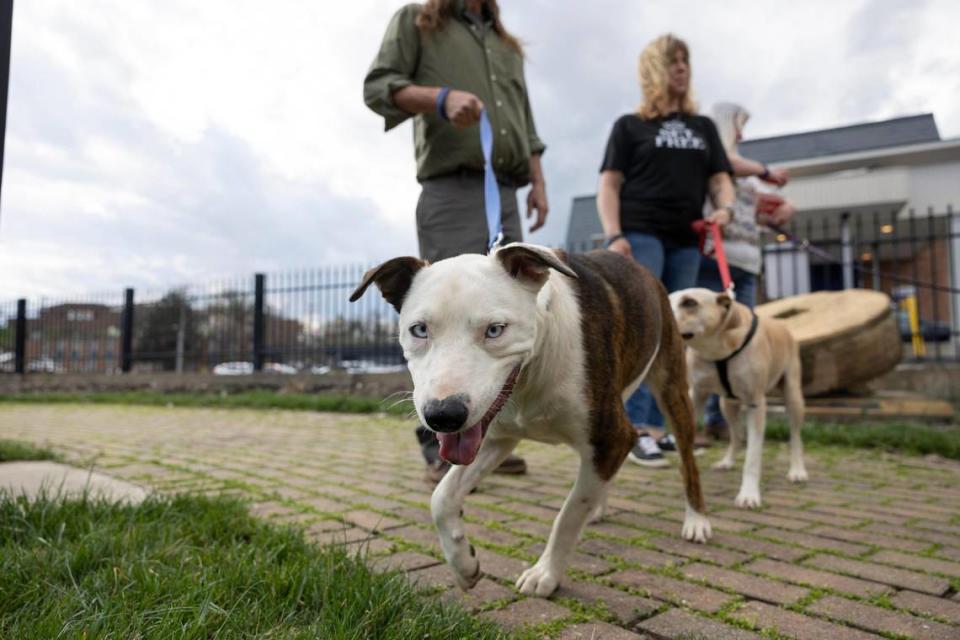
[[462, 447]]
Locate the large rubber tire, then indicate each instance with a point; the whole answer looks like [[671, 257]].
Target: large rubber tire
[[846, 337]]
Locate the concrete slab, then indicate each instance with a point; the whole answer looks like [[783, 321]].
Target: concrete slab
[[31, 477]]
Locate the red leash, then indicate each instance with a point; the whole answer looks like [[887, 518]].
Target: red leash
[[703, 227]]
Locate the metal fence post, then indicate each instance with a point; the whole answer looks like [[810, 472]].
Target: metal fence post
[[20, 348], [126, 332], [258, 291], [846, 251]]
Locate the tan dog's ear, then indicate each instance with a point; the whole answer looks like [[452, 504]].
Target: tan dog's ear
[[393, 278], [725, 301], [531, 263]]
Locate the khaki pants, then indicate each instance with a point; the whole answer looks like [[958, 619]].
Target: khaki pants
[[451, 218]]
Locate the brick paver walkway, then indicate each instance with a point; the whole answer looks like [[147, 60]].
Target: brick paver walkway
[[869, 548]]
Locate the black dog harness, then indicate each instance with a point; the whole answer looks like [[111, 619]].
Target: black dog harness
[[722, 364]]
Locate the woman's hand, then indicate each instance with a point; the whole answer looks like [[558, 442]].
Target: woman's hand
[[720, 216], [621, 246]]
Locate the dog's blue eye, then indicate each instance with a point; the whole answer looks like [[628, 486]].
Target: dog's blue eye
[[418, 330], [495, 330]]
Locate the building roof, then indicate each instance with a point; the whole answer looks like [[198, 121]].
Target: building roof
[[896, 132]]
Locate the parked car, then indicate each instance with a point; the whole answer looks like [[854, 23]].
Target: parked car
[[319, 370], [44, 365], [233, 369], [931, 331], [368, 366], [7, 361], [278, 367]]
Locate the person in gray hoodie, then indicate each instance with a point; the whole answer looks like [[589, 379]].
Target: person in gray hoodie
[[741, 238]]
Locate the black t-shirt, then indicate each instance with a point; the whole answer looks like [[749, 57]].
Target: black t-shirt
[[666, 163]]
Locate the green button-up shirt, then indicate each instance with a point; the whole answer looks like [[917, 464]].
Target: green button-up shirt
[[463, 56]]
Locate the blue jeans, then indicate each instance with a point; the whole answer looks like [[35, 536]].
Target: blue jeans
[[677, 267], [745, 289]]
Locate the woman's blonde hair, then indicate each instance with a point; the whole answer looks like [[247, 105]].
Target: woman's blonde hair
[[435, 14], [654, 71]]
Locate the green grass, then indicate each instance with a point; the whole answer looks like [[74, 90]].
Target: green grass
[[245, 400], [11, 450], [900, 437], [195, 567]]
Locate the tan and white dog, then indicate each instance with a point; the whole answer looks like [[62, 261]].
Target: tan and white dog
[[529, 342], [734, 353]]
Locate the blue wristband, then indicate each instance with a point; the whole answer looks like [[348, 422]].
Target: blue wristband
[[441, 99]]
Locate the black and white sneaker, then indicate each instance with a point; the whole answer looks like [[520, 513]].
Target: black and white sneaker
[[646, 452], [668, 444]]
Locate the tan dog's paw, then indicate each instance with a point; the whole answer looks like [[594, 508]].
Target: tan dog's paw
[[797, 475], [466, 571], [696, 527], [748, 500], [540, 580]]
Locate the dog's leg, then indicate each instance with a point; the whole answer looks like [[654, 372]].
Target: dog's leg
[[674, 403], [446, 506], [749, 496], [793, 398], [601, 509], [588, 491], [731, 413]]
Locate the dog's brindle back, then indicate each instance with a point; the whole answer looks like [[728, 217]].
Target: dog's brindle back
[[627, 321]]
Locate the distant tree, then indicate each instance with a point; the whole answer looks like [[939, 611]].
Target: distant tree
[[158, 328]]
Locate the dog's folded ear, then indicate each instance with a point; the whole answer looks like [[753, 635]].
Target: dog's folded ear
[[725, 300], [393, 278], [531, 263]]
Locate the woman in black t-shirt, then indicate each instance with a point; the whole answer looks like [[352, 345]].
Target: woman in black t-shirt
[[660, 165]]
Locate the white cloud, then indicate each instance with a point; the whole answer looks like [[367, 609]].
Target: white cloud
[[156, 143]]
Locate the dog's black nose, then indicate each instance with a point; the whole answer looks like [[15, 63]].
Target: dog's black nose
[[686, 336], [446, 415]]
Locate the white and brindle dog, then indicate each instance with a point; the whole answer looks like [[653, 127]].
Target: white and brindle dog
[[530, 342], [740, 356]]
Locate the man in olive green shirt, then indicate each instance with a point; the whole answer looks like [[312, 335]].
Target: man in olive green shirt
[[460, 52]]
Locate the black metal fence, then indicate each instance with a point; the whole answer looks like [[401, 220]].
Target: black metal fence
[[301, 321]]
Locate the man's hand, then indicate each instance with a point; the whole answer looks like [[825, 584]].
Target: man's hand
[[537, 202], [778, 177], [621, 246], [720, 216], [462, 108]]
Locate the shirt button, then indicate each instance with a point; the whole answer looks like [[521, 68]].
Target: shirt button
[[503, 132], [499, 103], [493, 77], [488, 50]]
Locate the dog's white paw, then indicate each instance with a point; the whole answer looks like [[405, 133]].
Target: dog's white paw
[[539, 580], [748, 499], [797, 475], [696, 527], [723, 465]]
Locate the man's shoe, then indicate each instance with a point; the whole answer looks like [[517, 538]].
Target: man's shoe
[[512, 465], [436, 470], [646, 452], [668, 444]]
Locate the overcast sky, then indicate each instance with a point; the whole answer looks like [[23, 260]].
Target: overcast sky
[[157, 143]]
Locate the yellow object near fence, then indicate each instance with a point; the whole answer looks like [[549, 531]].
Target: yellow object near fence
[[909, 304]]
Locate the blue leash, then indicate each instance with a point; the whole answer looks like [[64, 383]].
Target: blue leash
[[491, 192]]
